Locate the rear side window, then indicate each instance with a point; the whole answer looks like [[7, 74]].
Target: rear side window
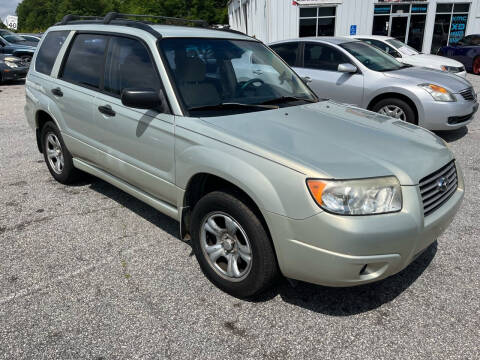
[[288, 52], [129, 65], [84, 64], [49, 50]]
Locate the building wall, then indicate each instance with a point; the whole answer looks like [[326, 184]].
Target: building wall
[[272, 20]]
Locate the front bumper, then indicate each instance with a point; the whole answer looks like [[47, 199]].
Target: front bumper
[[439, 115], [335, 250], [14, 74]]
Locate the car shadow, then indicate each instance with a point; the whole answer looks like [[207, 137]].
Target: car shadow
[[13, 82], [452, 135], [320, 299]]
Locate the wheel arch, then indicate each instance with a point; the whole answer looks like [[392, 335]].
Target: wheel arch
[[41, 118], [397, 95]]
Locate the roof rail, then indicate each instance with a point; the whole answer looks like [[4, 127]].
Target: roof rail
[[114, 15], [70, 17]]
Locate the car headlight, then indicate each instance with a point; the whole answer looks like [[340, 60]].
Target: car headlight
[[357, 197], [438, 93], [452, 69], [11, 64]]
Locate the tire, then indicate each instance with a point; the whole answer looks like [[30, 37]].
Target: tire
[[26, 59], [54, 151], [476, 65], [246, 232], [395, 103]]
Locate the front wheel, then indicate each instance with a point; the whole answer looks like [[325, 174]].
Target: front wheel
[[232, 246], [396, 108]]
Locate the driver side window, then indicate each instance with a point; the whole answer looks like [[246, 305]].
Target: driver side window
[[382, 46]]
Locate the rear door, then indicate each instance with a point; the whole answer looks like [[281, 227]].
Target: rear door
[[137, 144], [320, 65], [78, 81]]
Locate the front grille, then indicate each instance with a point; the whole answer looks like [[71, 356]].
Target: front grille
[[468, 94], [438, 187]]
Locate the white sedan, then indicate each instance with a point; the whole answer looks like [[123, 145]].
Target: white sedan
[[408, 55]]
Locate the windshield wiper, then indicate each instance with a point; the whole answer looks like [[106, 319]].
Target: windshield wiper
[[285, 99], [223, 106]]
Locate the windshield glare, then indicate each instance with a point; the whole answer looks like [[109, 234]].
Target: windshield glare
[[402, 47], [372, 57], [209, 72]]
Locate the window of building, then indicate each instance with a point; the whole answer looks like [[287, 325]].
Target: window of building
[[317, 21], [84, 64], [404, 22], [450, 24]]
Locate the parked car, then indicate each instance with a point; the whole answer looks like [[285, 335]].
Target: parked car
[[354, 72], [262, 176], [12, 68], [467, 51], [21, 39], [408, 55], [23, 51]]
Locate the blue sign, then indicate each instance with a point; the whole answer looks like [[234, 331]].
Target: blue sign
[[353, 29]]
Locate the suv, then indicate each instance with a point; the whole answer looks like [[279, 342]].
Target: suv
[[262, 176]]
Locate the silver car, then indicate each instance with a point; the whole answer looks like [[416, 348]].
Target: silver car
[[263, 177], [350, 71]]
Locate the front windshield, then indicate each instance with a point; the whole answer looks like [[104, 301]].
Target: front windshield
[[14, 39], [402, 47], [372, 57], [213, 73]]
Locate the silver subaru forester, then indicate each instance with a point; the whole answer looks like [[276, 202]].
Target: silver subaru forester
[[262, 176]]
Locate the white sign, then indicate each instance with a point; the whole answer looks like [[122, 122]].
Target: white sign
[[12, 22], [315, 2]]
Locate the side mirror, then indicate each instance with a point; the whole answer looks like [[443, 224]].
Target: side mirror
[[307, 79], [347, 68], [141, 98]]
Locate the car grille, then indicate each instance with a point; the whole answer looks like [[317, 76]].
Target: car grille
[[468, 94], [438, 187]]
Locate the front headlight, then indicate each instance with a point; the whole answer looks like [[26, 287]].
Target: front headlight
[[452, 69], [438, 93], [11, 64], [357, 197]]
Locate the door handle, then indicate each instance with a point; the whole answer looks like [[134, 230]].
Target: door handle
[[57, 92], [307, 79], [107, 110], [258, 72]]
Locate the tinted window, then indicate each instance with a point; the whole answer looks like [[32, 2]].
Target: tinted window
[[288, 52], [49, 50], [85, 60], [382, 46], [372, 57], [129, 65], [318, 56]]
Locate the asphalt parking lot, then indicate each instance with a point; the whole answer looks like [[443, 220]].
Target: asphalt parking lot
[[88, 271]]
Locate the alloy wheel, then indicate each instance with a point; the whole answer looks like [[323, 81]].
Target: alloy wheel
[[54, 153], [393, 111]]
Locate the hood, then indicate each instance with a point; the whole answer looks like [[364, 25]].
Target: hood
[[452, 82], [430, 61], [330, 140]]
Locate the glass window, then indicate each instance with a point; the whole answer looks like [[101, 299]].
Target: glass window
[[49, 50], [317, 21], [308, 27], [382, 9], [268, 80], [416, 31], [84, 64], [380, 25], [308, 12], [129, 65], [444, 8], [384, 47], [401, 9], [323, 57], [440, 32], [371, 57], [288, 52], [461, 8]]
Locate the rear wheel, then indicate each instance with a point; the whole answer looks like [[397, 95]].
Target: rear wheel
[[396, 108], [58, 158], [27, 59], [476, 65], [232, 246]]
